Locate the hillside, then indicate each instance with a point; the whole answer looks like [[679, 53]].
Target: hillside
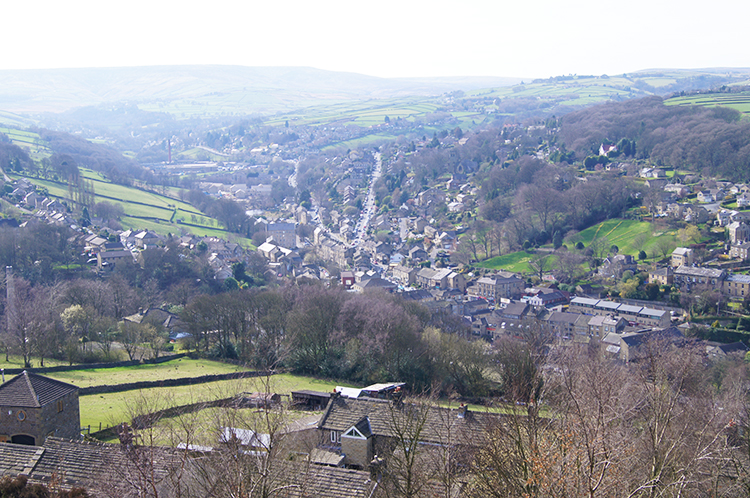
[[236, 89]]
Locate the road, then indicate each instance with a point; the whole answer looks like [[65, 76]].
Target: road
[[368, 209]]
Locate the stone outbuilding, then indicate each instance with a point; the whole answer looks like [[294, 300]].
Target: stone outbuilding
[[33, 407]]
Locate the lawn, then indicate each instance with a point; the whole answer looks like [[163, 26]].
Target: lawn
[[174, 369], [623, 233], [517, 262]]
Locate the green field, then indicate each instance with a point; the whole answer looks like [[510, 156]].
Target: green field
[[112, 408], [517, 262], [737, 101], [144, 209], [15, 361], [173, 369], [621, 233]]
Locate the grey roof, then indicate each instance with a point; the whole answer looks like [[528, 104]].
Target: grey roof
[[17, 459], [608, 305], [278, 227], [584, 301], [516, 309], [733, 347], [363, 426], [561, 317], [442, 425], [30, 390], [108, 467], [742, 279], [626, 308], [671, 333], [652, 312], [699, 272]]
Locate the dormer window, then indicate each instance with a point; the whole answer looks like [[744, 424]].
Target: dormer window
[[353, 432], [336, 437]]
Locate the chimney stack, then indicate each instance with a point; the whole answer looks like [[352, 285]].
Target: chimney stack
[[463, 410]]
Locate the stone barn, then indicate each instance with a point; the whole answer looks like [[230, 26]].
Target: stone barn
[[33, 407]]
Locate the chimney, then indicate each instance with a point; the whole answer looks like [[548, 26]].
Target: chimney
[[463, 410], [376, 468]]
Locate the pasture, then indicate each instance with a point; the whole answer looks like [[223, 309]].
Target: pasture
[[173, 369], [110, 409], [625, 234], [517, 262], [737, 101], [144, 209]]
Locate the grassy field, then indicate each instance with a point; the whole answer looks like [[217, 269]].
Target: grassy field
[[621, 233], [162, 211], [15, 361], [112, 408], [174, 369], [737, 101], [516, 262]]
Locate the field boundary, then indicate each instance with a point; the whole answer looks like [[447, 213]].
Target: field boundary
[[148, 419], [182, 381], [92, 366]]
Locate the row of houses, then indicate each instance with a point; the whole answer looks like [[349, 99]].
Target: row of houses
[[637, 314], [692, 277]]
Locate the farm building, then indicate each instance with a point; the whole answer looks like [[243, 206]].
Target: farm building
[[33, 407]]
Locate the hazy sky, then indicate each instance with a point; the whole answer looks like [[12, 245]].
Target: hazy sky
[[401, 38]]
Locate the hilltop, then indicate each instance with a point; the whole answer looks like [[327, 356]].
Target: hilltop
[[243, 90]]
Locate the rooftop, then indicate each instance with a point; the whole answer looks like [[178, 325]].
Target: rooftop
[[30, 390]]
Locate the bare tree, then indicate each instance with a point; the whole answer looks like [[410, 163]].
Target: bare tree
[[541, 263]]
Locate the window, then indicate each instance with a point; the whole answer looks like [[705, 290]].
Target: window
[[21, 415], [59, 406], [336, 437]]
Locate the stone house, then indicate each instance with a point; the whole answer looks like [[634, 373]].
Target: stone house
[[688, 277], [682, 256], [146, 238], [739, 232], [500, 285], [404, 275], [33, 407], [661, 276], [357, 429], [737, 286], [632, 346], [740, 251]]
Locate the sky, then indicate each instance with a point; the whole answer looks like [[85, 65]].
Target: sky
[[387, 38]]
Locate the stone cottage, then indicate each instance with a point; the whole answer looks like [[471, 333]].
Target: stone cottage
[[33, 407]]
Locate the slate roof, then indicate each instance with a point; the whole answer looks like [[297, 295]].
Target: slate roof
[[330, 482], [17, 459], [668, 334], [103, 467], [442, 426], [30, 390]]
